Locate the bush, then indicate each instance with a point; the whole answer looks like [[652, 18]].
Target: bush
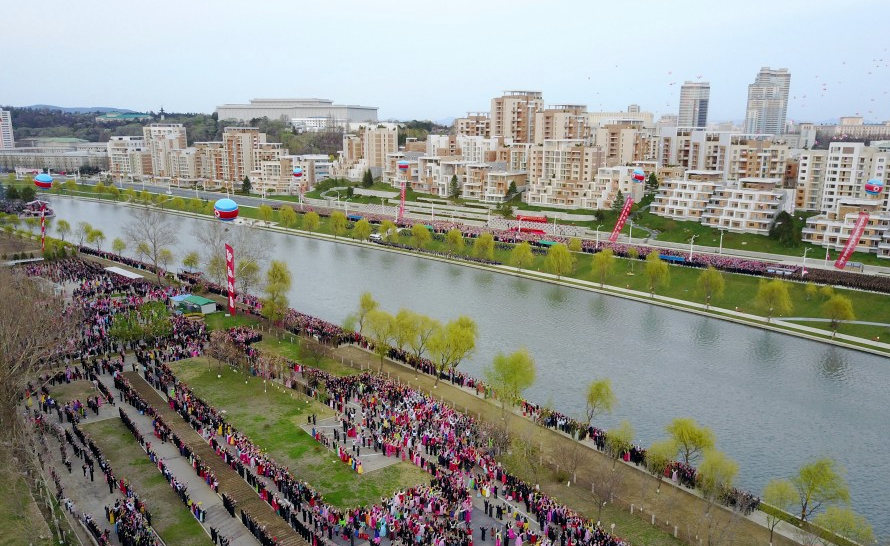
[[15, 256], [32, 255]]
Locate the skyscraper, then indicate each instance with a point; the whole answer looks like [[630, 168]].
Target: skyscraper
[[6, 136], [768, 102], [694, 97]]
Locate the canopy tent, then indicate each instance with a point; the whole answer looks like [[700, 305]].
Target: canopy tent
[[546, 243], [123, 272]]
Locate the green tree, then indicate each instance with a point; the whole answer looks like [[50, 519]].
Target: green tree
[[711, 283], [454, 188], [368, 179], [846, 523], [811, 290], [28, 194], [246, 185], [288, 216], [772, 296], [151, 230], [559, 260], [659, 455], [247, 275], [511, 190], [165, 257], [657, 272], [778, 494], [618, 203], [70, 186], [619, 440], [603, 264], [785, 229], [420, 236], [424, 328], [826, 292], [575, 244], [191, 260], [405, 328], [366, 304], [690, 438], [652, 183], [63, 229], [12, 193], [510, 375], [115, 193], [265, 213], [362, 230], [311, 221], [99, 187], [483, 247], [454, 240], [838, 309], [388, 231], [278, 284], [451, 344], [118, 245], [338, 223], [600, 399], [817, 483], [522, 256], [381, 329], [96, 237], [716, 474], [633, 255]]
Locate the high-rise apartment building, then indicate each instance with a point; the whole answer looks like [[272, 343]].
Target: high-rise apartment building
[[513, 114], [7, 140], [162, 139], [694, 97], [768, 101]]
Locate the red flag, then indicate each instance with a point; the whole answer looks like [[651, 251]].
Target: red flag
[[622, 218], [855, 235], [43, 227], [230, 277]]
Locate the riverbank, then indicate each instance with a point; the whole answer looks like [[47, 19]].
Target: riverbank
[[731, 315]]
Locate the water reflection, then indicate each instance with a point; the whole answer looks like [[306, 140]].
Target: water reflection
[[833, 365], [706, 332], [484, 279], [519, 285], [556, 295], [599, 308], [766, 347]]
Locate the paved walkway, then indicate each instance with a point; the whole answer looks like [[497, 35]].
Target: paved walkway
[[229, 481]]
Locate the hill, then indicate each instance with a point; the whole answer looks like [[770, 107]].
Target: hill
[[78, 109]]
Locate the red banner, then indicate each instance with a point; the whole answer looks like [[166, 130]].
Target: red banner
[[855, 235], [402, 204], [230, 278], [622, 218], [43, 227]]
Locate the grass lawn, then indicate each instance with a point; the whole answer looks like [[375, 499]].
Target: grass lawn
[[272, 420], [300, 351], [76, 390], [20, 519], [169, 517], [219, 320]]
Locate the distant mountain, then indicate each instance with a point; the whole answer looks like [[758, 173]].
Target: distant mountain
[[79, 109], [447, 122]]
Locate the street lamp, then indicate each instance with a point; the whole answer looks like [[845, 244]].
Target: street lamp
[[722, 231], [691, 242], [805, 259], [630, 236], [598, 235]]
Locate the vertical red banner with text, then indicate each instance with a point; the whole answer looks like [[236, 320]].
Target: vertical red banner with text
[[855, 235], [230, 278], [625, 212]]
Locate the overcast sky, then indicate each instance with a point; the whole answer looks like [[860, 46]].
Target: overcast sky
[[437, 59]]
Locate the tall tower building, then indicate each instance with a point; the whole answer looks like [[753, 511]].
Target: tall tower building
[[694, 97], [513, 114], [6, 137], [768, 102]]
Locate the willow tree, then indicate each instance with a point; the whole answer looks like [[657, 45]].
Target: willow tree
[[420, 236], [338, 223], [838, 309], [361, 230], [559, 260], [657, 272], [522, 256], [773, 297], [278, 284], [483, 247], [288, 216], [817, 483], [603, 264], [454, 240], [600, 399], [451, 344], [690, 438], [311, 221], [510, 375], [711, 283], [153, 230]]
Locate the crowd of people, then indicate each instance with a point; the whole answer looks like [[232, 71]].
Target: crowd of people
[[388, 418]]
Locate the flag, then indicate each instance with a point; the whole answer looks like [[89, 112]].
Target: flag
[[230, 277]]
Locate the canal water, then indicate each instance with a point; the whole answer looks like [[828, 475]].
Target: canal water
[[774, 401]]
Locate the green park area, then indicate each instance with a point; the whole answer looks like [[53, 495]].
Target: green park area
[[272, 419], [170, 518]]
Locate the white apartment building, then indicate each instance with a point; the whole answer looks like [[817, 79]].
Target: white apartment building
[[287, 109], [768, 101], [848, 166], [735, 155], [686, 198], [562, 122], [162, 139], [7, 138], [832, 230], [367, 150], [561, 174], [128, 157], [694, 99], [633, 116], [749, 205], [474, 124], [611, 180]]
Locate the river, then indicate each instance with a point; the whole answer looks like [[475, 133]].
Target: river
[[774, 401]]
